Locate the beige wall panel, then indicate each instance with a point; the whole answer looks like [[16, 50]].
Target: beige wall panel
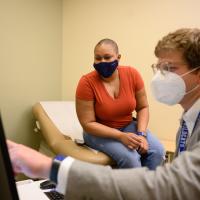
[[136, 25], [30, 62]]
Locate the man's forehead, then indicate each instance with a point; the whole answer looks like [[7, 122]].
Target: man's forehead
[[171, 56]]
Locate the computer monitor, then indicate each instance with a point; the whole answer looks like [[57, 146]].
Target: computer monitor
[[8, 189]]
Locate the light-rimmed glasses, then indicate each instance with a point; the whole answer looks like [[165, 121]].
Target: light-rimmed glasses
[[165, 67]]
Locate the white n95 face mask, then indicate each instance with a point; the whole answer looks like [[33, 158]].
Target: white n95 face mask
[[168, 88]]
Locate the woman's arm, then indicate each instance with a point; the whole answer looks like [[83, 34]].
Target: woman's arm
[[86, 116], [87, 119], [142, 110]]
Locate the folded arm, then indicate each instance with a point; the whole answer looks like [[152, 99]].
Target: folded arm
[[179, 180]]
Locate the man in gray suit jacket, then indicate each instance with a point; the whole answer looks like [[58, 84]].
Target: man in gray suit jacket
[[176, 81]]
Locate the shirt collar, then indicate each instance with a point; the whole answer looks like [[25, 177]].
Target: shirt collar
[[191, 115]]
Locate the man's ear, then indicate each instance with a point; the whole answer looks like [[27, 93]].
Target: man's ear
[[119, 56]]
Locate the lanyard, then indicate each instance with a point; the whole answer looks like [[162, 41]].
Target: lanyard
[[184, 135]]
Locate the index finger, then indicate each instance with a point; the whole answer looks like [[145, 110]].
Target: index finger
[[11, 144], [134, 141], [135, 137]]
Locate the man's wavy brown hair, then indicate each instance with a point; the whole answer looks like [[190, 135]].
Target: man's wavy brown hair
[[186, 40]]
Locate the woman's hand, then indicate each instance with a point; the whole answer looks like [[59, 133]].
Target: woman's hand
[[131, 140], [144, 146]]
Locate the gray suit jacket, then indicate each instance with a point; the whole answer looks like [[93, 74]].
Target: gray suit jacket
[[192, 140], [176, 181]]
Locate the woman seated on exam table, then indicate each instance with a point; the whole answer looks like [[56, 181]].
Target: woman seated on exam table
[[105, 101]]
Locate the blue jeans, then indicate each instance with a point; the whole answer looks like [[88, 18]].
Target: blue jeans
[[125, 157]]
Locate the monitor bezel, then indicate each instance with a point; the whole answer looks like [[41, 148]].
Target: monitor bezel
[[7, 163]]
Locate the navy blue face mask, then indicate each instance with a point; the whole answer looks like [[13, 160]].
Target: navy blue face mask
[[106, 69]]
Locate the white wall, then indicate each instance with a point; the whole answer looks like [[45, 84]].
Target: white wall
[[30, 62], [136, 25]]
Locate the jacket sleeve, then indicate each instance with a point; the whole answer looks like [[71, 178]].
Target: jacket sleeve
[[179, 180]]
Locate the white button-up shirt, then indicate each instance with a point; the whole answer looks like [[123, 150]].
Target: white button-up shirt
[[190, 117]]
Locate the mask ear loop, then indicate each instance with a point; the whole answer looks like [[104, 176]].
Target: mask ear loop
[[196, 85], [192, 89], [190, 71]]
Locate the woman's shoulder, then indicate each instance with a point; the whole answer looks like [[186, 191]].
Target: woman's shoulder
[[91, 75], [89, 78], [131, 76], [131, 73], [127, 69]]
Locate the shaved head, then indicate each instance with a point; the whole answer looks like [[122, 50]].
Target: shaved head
[[108, 41]]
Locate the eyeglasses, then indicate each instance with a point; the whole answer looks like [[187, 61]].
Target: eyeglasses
[[165, 67]]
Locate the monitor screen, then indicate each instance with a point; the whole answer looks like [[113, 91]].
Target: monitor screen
[[8, 189]]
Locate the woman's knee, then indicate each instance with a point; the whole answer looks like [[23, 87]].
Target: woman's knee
[[157, 154], [155, 145], [130, 160], [159, 150]]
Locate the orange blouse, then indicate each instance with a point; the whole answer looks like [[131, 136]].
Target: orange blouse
[[112, 112]]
